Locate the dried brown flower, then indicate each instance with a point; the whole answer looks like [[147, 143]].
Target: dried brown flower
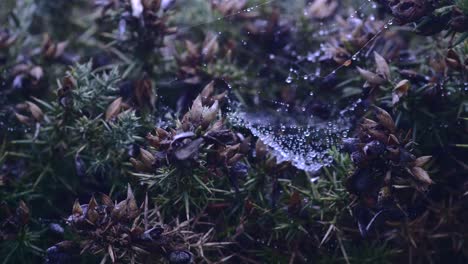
[[118, 231], [31, 111], [51, 50], [379, 148]]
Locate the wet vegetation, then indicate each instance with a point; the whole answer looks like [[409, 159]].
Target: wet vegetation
[[233, 131]]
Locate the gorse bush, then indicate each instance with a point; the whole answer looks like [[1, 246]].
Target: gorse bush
[[223, 131]]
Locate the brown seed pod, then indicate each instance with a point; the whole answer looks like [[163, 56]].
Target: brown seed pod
[[371, 77], [114, 109], [385, 119], [51, 50]]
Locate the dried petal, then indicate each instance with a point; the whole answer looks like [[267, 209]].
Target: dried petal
[[162, 133], [382, 66], [132, 207], [147, 158], [144, 93], [189, 150], [113, 109], [138, 165], [421, 161], [195, 113], [210, 47], [106, 200], [35, 111], [393, 140], [209, 114], [385, 119], [184, 135], [191, 48], [371, 77], [92, 203], [400, 90], [207, 91], [60, 48], [421, 175], [77, 210], [110, 250], [368, 123], [23, 119], [91, 214]]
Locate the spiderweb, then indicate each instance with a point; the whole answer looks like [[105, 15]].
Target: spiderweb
[[295, 135]]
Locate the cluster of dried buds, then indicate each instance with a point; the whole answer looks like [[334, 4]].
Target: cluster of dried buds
[[406, 11], [354, 34], [118, 231], [136, 93], [200, 128], [381, 76], [27, 76], [64, 92], [195, 57], [272, 32], [383, 159], [145, 17], [378, 144], [12, 222], [51, 49], [441, 67], [269, 31], [28, 113], [443, 17], [431, 16]]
